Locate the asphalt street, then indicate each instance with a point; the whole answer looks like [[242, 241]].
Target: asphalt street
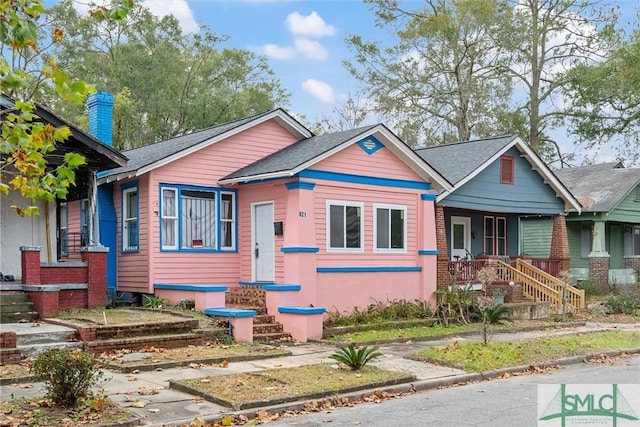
[[507, 402]]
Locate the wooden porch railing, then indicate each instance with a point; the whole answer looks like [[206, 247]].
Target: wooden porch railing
[[465, 271], [576, 296], [551, 266], [531, 288]]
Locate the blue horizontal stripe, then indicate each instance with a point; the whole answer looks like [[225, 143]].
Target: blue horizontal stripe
[[303, 185], [365, 269], [229, 312], [361, 179], [288, 249], [282, 287], [302, 310], [428, 252], [196, 288], [430, 197]]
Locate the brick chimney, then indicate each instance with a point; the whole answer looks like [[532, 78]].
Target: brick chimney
[[100, 106]]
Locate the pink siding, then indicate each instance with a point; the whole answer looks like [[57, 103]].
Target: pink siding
[[273, 191], [133, 267], [355, 160], [205, 168]]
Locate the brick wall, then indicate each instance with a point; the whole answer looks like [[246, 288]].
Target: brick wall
[[72, 298], [560, 243], [443, 277], [599, 269], [57, 274], [96, 277], [30, 260], [633, 263]]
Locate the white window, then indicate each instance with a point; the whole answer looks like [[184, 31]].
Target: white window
[[495, 235], [130, 219], [169, 221], [227, 221], [390, 228], [192, 218], [345, 227]]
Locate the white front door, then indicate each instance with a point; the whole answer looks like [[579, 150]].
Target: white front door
[[460, 237], [263, 243]]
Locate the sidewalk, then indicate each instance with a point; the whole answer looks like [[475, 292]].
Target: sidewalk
[[175, 408]]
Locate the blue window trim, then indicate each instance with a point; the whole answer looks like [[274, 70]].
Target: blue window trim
[[428, 252], [219, 191], [123, 187], [290, 249], [429, 197], [366, 269], [302, 185], [362, 179]]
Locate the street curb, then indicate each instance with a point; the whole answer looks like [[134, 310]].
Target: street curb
[[421, 385]]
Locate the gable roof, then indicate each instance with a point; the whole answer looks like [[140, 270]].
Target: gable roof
[[303, 154], [152, 156], [460, 162], [601, 187]]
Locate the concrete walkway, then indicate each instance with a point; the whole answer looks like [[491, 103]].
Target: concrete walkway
[[165, 407]]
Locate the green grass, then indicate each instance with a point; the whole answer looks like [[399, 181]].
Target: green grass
[[400, 333], [283, 382], [474, 357]]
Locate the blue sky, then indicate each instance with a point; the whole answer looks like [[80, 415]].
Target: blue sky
[[304, 41]]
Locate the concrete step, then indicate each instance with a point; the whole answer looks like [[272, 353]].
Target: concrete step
[[45, 334], [8, 297], [33, 350], [265, 338], [16, 307], [18, 317]]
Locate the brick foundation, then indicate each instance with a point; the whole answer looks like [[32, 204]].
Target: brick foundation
[[633, 263], [8, 351]]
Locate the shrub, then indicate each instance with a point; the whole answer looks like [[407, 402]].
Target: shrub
[[626, 302], [355, 358], [68, 375], [592, 287], [380, 313], [155, 302]]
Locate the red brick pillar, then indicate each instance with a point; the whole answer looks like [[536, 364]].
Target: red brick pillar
[[30, 259], [45, 299], [560, 243], [443, 277], [96, 258], [8, 351], [599, 269]]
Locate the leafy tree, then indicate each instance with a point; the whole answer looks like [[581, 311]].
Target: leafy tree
[[606, 100], [165, 82], [444, 77], [25, 141], [545, 38]]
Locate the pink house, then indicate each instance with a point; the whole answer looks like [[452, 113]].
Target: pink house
[[332, 221]]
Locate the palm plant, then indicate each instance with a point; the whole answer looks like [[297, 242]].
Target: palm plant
[[355, 358]]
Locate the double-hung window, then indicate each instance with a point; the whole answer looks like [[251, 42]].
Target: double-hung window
[[345, 226], [63, 228], [197, 218], [390, 228], [130, 218]]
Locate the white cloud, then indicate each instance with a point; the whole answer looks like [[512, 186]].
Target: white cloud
[[319, 90], [312, 25], [178, 8], [310, 48], [278, 52]]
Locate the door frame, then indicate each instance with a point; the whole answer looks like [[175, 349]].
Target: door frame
[[466, 221], [254, 264]]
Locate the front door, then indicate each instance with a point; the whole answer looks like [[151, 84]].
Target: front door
[[460, 237], [264, 243]]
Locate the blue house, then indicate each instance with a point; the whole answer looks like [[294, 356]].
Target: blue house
[[497, 182]]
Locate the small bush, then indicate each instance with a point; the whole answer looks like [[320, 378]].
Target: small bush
[[592, 287], [155, 302], [355, 358], [380, 313], [626, 302], [68, 375]]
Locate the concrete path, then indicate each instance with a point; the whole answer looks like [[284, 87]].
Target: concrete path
[[165, 407]]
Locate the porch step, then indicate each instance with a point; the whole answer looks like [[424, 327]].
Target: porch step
[[267, 328], [275, 337], [34, 338], [15, 307], [261, 319], [244, 300], [260, 311], [33, 350]]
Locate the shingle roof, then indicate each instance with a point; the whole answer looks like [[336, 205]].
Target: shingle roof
[[297, 154], [458, 160], [599, 188], [149, 154]]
